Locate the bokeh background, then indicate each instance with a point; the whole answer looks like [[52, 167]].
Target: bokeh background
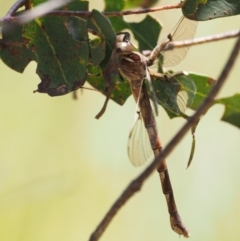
[[61, 169]]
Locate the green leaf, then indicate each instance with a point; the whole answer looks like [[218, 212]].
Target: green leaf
[[202, 10], [149, 26], [15, 54], [111, 5], [120, 4], [232, 109], [61, 60], [139, 3], [97, 50], [107, 34], [77, 27], [203, 86], [175, 92], [110, 62], [60, 47], [96, 79], [121, 91]]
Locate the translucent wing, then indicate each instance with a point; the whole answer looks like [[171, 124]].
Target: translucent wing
[[185, 29], [182, 100], [175, 92], [139, 148]]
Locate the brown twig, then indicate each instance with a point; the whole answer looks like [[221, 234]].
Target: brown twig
[[48, 12], [137, 183], [41, 10], [15, 7], [112, 14], [9, 16]]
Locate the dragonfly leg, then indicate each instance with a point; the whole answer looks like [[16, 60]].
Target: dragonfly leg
[[109, 92]]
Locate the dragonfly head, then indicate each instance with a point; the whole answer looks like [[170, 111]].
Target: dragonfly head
[[123, 44]]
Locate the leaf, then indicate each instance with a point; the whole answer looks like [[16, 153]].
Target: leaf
[[232, 109], [110, 62], [77, 27], [149, 26], [61, 60], [121, 91], [203, 86], [174, 92], [114, 5], [59, 45], [107, 33], [15, 54], [139, 3], [97, 50], [202, 10], [120, 4]]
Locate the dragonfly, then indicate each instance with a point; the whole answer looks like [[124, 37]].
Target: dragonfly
[[134, 67]]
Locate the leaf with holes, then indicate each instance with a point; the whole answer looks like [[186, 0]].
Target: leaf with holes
[[202, 10]]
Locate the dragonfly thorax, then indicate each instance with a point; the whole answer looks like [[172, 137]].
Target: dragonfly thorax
[[132, 66]]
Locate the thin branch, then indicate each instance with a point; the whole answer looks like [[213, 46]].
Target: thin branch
[[145, 10], [202, 40], [41, 10], [26, 17], [9, 16], [15, 7], [137, 183], [112, 14]]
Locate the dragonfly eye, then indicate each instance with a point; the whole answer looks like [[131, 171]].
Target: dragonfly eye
[[126, 37], [123, 37], [123, 44], [134, 57]]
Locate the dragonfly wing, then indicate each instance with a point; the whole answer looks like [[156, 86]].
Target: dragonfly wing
[[175, 92], [139, 148], [187, 91], [185, 29], [152, 91], [182, 100]]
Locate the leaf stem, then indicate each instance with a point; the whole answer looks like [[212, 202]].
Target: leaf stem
[[137, 183]]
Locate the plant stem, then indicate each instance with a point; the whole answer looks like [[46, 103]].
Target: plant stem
[[16, 6]]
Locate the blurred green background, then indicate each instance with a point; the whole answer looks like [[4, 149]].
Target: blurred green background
[[61, 169]]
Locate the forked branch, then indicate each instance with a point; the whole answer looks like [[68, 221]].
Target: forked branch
[[137, 183]]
